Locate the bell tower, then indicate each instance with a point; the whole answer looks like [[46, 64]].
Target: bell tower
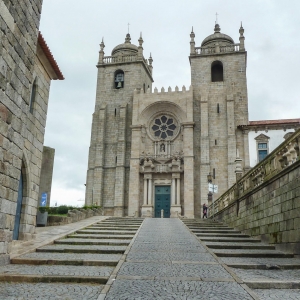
[[119, 75], [218, 74]]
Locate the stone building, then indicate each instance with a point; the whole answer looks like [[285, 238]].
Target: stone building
[[153, 150], [26, 70]]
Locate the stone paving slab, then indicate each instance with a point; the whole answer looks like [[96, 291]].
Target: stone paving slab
[[79, 241], [100, 236], [108, 232], [82, 248], [174, 270], [267, 294], [175, 289], [70, 256], [49, 291], [60, 270]]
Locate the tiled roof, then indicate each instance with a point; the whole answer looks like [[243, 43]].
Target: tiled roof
[[50, 57]]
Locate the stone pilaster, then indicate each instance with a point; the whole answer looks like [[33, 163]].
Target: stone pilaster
[[120, 169], [188, 150]]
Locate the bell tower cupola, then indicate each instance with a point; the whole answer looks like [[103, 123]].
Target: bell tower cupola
[[218, 75]]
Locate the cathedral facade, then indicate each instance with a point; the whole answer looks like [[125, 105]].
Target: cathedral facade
[[151, 151]]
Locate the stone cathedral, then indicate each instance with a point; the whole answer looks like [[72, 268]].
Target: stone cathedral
[[151, 151]]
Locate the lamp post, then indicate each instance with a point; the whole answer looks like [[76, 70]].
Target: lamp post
[[209, 180]]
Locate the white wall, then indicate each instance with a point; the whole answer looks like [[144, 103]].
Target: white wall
[[276, 138]]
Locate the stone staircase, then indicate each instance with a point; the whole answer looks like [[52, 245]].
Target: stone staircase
[[269, 272], [79, 264]]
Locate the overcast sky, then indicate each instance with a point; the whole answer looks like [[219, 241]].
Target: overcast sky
[[74, 29]]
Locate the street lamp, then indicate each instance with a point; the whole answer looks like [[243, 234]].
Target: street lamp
[[210, 183]]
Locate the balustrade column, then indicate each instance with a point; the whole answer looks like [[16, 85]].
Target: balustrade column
[[178, 192], [173, 192], [145, 192], [149, 191]]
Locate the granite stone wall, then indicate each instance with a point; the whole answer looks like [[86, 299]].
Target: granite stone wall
[[271, 211], [21, 129]]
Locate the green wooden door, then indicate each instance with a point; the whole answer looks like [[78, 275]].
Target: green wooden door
[[162, 201]]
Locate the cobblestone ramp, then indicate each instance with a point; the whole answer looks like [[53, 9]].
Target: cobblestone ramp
[[73, 267], [271, 274], [167, 261]]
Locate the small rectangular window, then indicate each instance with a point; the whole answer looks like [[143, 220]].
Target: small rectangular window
[[214, 173], [262, 154], [262, 146]]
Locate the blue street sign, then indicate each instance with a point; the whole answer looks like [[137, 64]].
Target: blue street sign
[[44, 199]]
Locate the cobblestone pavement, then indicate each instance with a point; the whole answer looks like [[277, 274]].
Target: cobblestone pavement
[[278, 294], [176, 290], [49, 291], [57, 270], [164, 262], [170, 256]]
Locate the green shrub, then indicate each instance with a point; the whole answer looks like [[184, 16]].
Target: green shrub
[[43, 209], [62, 210]]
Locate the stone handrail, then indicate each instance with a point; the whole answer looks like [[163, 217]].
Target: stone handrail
[[217, 49], [282, 157]]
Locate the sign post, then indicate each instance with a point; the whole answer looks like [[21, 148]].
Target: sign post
[[213, 188], [43, 202]]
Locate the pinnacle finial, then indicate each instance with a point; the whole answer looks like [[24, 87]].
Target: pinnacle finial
[[102, 44], [192, 28], [128, 38], [217, 28]]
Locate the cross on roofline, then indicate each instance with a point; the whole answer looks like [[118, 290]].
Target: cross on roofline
[[217, 18], [128, 27]]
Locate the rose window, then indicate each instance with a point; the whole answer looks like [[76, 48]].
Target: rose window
[[164, 127]]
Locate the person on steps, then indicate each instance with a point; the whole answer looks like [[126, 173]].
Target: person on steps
[[204, 211]]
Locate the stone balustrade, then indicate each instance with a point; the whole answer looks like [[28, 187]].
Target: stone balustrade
[[265, 202], [217, 49], [283, 156]]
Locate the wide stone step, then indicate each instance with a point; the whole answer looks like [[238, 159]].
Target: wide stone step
[[261, 262], [101, 236], [214, 231], [51, 273], [229, 240], [63, 291], [111, 228], [76, 259], [222, 235], [83, 249], [72, 241], [106, 232], [258, 275], [251, 253], [215, 245], [115, 225]]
